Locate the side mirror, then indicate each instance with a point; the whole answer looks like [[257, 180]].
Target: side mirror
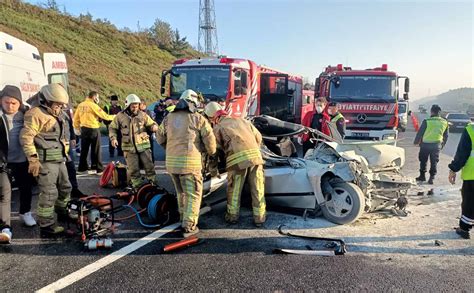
[[337, 81], [317, 84], [163, 82], [409, 113], [405, 96], [407, 86]]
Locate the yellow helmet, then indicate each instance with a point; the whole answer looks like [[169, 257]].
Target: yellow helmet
[[55, 93], [211, 109], [190, 96]]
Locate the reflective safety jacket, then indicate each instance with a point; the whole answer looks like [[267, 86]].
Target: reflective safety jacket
[[240, 141], [435, 128], [88, 114], [45, 136], [467, 172], [185, 136], [133, 129]]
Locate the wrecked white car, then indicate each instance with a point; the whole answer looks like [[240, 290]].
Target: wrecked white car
[[342, 180]]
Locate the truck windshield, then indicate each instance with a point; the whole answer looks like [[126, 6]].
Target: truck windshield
[[364, 87], [211, 81]]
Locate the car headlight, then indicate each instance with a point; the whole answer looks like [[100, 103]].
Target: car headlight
[[389, 136]]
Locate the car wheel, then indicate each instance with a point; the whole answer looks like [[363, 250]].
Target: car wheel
[[345, 204]]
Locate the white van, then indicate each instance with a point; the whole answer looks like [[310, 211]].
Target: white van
[[21, 65], [403, 115]]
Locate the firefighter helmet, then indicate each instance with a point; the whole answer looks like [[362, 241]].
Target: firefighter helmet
[[55, 93], [132, 99], [211, 109], [190, 96]]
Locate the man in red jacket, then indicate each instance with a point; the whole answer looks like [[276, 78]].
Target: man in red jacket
[[317, 119]]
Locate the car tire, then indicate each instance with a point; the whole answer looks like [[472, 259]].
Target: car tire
[[349, 195]]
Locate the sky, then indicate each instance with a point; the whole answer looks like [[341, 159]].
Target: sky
[[429, 41]]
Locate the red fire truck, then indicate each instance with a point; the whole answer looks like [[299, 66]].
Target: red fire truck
[[247, 88], [367, 99]]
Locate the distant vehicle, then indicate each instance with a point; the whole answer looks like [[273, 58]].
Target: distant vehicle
[[367, 99], [308, 102], [422, 109], [471, 114], [403, 115], [458, 121]]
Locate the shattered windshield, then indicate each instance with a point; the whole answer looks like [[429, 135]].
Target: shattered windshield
[[364, 87], [211, 81]]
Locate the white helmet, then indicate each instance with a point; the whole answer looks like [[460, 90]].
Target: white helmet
[[212, 108], [55, 93], [132, 99], [190, 96]]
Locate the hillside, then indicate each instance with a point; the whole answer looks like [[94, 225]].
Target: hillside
[[100, 57], [460, 99]]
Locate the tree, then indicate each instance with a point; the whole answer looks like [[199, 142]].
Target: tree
[[162, 34], [51, 5], [179, 44]]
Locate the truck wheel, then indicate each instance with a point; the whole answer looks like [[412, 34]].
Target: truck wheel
[[345, 204]]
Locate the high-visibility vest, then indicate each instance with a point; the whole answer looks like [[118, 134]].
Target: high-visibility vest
[[435, 128], [337, 117], [467, 172]]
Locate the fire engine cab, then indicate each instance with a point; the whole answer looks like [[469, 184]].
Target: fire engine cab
[[246, 88], [368, 99]]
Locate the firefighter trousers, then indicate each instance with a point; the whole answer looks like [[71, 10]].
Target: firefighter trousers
[[55, 192], [467, 206], [429, 151], [5, 199], [236, 179], [189, 192], [134, 160]]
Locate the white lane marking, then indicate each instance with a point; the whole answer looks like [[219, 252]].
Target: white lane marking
[[105, 261]]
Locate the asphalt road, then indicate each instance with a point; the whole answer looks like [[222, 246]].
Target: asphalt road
[[239, 257]]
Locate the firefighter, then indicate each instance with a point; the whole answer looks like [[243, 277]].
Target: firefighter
[[431, 137], [86, 124], [133, 125], [45, 142], [113, 109], [240, 141], [464, 159], [337, 118], [185, 134]]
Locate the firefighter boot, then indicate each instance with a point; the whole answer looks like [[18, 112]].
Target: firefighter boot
[[231, 219], [188, 232], [53, 231], [463, 233], [431, 180], [421, 178]]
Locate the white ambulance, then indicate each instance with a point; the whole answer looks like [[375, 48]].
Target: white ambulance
[[21, 65]]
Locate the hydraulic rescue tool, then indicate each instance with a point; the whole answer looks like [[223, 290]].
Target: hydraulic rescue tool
[[338, 245], [95, 215]]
